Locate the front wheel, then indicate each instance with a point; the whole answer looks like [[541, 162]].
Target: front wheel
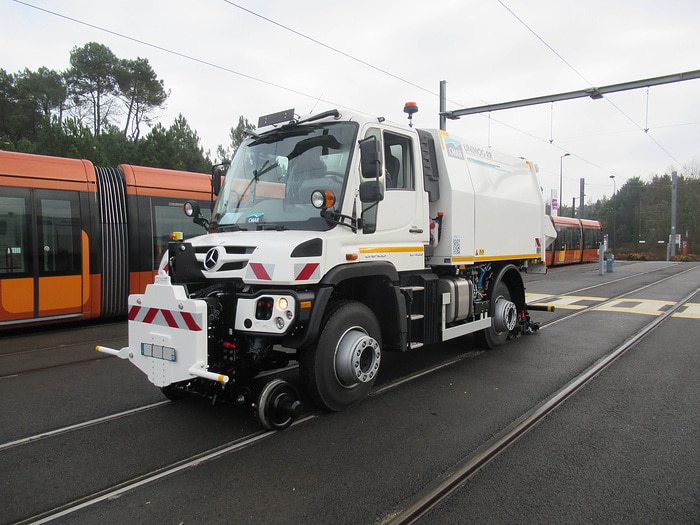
[[340, 369]]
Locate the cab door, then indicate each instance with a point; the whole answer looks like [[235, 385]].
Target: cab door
[[401, 227]]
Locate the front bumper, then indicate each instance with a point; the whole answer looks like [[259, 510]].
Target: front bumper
[[167, 335]]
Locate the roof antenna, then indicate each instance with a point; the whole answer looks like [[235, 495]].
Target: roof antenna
[[410, 108]]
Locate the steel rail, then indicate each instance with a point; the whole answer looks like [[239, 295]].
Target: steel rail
[[378, 391], [121, 488], [483, 456], [501, 442], [78, 426], [566, 317]]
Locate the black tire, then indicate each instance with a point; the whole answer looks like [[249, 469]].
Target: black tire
[[278, 405], [490, 338], [173, 393], [320, 375]]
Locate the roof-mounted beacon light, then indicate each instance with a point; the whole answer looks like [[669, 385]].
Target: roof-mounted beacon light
[[410, 108]]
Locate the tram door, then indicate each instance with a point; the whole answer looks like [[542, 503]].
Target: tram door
[[41, 255]]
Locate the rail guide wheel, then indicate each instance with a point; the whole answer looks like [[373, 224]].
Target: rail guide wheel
[[278, 405]]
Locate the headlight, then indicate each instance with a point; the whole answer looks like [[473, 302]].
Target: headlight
[[323, 199], [191, 208]]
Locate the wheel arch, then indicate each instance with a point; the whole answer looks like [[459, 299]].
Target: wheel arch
[[510, 276], [373, 284]]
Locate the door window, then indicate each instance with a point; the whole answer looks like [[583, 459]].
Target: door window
[[14, 240], [59, 234], [398, 165]]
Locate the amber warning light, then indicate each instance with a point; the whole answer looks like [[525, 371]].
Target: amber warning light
[[410, 108]]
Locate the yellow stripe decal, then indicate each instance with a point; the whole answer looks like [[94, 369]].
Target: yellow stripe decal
[[392, 249], [508, 257]]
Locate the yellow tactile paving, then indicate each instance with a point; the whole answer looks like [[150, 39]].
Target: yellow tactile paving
[[636, 306], [625, 305], [689, 311], [565, 302]]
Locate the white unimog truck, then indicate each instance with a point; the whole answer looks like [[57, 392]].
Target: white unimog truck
[[335, 238]]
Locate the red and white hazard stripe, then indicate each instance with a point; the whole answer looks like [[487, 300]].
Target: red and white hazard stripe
[[170, 318], [260, 271], [305, 272]]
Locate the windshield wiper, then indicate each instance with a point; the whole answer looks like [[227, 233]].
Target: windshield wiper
[[231, 228], [270, 226]]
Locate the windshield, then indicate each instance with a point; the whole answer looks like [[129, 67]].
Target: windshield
[[271, 178]]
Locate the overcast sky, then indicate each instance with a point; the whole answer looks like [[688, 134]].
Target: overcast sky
[[220, 61]]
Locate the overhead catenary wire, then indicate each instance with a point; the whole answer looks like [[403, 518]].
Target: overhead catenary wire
[[645, 128], [352, 57], [177, 53], [209, 63], [315, 97]]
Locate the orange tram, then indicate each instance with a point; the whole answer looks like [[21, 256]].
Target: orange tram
[[577, 241], [76, 240]]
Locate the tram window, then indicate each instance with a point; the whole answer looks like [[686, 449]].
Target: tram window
[[576, 239], [592, 239], [13, 235], [562, 234], [169, 218], [59, 251]]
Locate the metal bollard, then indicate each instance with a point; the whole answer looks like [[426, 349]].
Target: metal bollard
[[611, 262]]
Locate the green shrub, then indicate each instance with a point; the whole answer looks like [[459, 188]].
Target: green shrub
[[684, 258], [637, 257]]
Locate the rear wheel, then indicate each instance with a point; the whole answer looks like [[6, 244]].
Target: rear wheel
[[504, 317], [340, 369]]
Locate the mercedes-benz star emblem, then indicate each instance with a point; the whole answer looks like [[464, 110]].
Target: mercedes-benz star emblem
[[212, 258]]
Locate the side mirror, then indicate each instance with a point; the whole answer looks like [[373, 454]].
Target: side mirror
[[370, 158], [217, 172], [371, 191]]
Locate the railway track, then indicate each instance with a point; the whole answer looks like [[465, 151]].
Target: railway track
[[609, 300], [26, 351], [464, 471], [428, 500], [90, 343]]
